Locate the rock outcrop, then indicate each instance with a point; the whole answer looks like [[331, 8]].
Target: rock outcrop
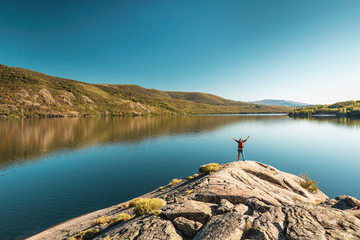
[[242, 200]]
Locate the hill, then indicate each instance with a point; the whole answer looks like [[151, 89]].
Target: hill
[[241, 200], [25, 93], [280, 103], [348, 109]]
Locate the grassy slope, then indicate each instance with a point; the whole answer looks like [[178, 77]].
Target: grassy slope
[[348, 108], [25, 93]]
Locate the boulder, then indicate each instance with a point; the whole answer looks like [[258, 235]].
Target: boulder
[[224, 207], [142, 228], [193, 210], [47, 97], [227, 226], [186, 226]]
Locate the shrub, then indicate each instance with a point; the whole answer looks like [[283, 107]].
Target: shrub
[[191, 177], [156, 212], [308, 184], [175, 181], [101, 220], [124, 205], [146, 205], [209, 168], [122, 217], [134, 202], [85, 235]]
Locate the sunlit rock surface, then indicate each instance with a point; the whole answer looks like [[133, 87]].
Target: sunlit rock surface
[[243, 200]]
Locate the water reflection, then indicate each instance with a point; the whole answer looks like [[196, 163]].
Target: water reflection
[[26, 139], [343, 121]]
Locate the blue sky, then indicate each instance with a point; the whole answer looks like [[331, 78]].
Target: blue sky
[[246, 50]]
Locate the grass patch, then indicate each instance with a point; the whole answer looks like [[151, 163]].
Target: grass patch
[[295, 199], [146, 205], [101, 220], [134, 202], [191, 177], [124, 205], [175, 181], [189, 191], [209, 168], [156, 212], [85, 235], [307, 183], [122, 217]]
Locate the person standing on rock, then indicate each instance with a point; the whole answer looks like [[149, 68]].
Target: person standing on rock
[[241, 147]]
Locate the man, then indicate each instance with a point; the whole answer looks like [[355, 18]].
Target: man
[[241, 147]]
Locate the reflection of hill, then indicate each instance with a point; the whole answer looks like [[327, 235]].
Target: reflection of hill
[[348, 122], [30, 138]]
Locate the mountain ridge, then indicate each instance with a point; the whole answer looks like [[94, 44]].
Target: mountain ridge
[[280, 103], [26, 93]]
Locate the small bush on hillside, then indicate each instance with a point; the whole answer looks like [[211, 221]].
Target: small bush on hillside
[[101, 220], [146, 205], [156, 212], [175, 181], [308, 184], [85, 235], [122, 217], [124, 205], [134, 202], [191, 177], [209, 168]]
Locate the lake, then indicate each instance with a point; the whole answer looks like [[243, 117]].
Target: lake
[[52, 170]]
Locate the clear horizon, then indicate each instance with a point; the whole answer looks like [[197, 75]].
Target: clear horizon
[[242, 50]]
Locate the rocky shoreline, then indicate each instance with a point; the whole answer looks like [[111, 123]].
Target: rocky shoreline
[[242, 200]]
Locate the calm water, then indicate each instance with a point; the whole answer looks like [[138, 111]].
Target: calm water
[[55, 169]]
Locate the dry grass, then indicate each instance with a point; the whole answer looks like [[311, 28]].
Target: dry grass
[[124, 205], [122, 217], [101, 220], [308, 184], [191, 177], [156, 212], [175, 181], [146, 205], [209, 168], [85, 235], [134, 202], [189, 191]]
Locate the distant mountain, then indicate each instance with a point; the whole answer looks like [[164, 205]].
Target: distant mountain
[[25, 93], [280, 103]]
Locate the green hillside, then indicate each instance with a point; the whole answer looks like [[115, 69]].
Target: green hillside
[[25, 93], [349, 108]]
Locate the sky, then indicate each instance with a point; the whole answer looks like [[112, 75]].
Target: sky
[[245, 50]]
